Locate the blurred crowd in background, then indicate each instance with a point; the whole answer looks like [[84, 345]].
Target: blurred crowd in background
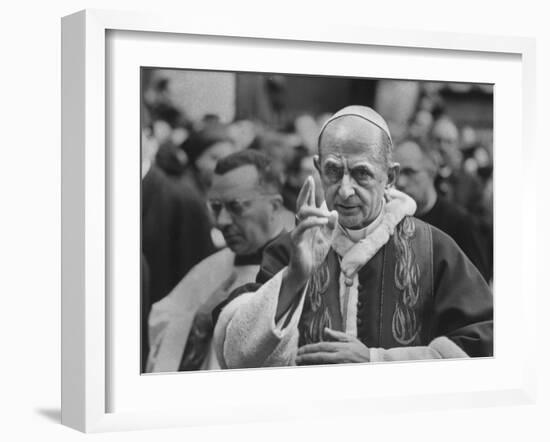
[[442, 136]]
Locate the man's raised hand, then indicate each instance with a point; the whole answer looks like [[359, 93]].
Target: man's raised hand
[[310, 242], [312, 236]]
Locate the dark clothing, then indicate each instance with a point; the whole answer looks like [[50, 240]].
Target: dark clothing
[[463, 228], [463, 189], [175, 229]]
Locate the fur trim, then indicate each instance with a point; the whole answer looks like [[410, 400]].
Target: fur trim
[[398, 205], [440, 348]]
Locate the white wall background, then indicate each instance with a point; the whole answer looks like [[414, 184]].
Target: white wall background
[[201, 93], [30, 218]]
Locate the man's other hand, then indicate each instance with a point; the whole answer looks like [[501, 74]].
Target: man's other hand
[[340, 348]]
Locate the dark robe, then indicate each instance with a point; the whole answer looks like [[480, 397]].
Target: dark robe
[[453, 298], [175, 229], [464, 189], [460, 226]]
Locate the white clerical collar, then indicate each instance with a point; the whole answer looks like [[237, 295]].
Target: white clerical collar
[[357, 235]]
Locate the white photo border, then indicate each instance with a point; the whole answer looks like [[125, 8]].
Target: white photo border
[[101, 388]]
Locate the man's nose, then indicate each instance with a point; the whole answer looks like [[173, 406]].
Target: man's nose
[[223, 218], [346, 189]]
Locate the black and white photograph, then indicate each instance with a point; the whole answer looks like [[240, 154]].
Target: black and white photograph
[[297, 220]]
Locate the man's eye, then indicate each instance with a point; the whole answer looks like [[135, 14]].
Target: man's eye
[[361, 174], [333, 172], [235, 207]]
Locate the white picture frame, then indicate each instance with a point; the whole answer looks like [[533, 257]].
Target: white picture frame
[[87, 208]]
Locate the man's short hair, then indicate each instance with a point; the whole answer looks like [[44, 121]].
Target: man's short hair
[[268, 178]]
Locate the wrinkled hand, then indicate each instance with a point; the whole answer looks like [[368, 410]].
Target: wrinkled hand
[[340, 349], [312, 236]]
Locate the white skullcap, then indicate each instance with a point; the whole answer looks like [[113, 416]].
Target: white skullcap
[[364, 112]]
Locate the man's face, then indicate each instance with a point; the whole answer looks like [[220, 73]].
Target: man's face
[[445, 141], [415, 177], [206, 162], [352, 170], [241, 211]]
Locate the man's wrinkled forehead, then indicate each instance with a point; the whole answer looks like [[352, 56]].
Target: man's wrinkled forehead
[[350, 135]]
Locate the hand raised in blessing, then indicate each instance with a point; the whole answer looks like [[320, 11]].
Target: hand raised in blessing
[[312, 236]]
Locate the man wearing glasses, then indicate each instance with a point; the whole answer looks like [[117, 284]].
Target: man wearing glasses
[[246, 204], [359, 279]]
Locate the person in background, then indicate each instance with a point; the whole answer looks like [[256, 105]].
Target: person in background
[[175, 223], [418, 170], [246, 203], [204, 147], [359, 279], [419, 128], [454, 183], [301, 167]]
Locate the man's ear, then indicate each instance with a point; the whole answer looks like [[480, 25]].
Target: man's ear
[[316, 163], [393, 174]]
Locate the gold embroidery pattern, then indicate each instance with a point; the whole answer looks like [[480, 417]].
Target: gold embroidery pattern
[[405, 324]]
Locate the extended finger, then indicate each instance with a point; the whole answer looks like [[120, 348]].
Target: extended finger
[[306, 211], [307, 224], [325, 347], [319, 358], [305, 191], [312, 201]]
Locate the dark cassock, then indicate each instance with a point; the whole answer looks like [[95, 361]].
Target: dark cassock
[[414, 295], [463, 228], [175, 224]]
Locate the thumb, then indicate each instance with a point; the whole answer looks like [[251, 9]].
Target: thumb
[[335, 335]]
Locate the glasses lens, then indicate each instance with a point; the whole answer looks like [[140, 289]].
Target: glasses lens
[[215, 207], [235, 207]]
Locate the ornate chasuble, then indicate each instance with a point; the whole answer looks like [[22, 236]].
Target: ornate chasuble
[[393, 294]]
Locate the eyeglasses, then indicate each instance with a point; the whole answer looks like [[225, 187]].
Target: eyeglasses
[[236, 207]]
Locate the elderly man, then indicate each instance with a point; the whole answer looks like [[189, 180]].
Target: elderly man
[[359, 279], [246, 204], [418, 170]]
